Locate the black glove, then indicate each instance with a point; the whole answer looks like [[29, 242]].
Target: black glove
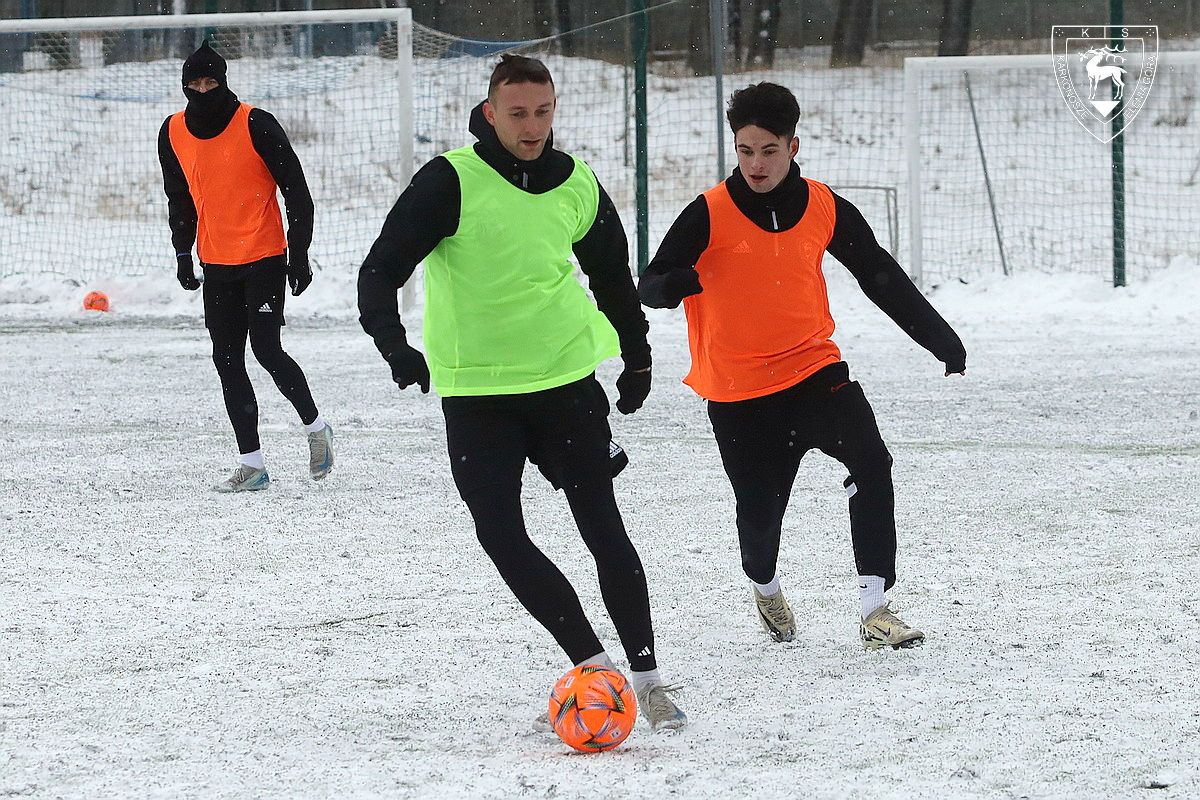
[[408, 367], [680, 283], [186, 272], [957, 365], [633, 386], [299, 274]]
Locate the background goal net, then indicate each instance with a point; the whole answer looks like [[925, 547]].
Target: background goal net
[[1051, 182], [81, 191]]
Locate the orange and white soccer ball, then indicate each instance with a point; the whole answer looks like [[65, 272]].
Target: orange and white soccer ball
[[592, 708]]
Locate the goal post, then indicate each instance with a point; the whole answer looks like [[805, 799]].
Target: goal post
[[81, 188], [1001, 177]]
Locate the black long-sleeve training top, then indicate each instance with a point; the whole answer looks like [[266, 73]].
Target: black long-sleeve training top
[[428, 211], [272, 145], [853, 243]]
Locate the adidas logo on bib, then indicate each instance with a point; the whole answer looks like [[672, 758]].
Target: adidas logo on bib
[[266, 308], [742, 247]]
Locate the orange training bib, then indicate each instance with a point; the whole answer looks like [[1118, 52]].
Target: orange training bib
[[234, 192], [762, 323]]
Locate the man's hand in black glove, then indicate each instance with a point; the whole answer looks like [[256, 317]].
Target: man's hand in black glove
[[633, 386], [299, 273], [408, 367], [680, 283], [186, 272]]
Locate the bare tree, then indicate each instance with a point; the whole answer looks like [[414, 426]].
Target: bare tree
[[563, 17], [764, 32], [543, 17], [955, 35], [734, 29], [850, 33], [700, 54], [553, 18]]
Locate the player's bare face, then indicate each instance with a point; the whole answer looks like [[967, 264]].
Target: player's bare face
[[763, 157], [203, 85], [522, 114]]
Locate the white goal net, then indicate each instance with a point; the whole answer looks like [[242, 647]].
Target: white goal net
[[1045, 198], [81, 190]]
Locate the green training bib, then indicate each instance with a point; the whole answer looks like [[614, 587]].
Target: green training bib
[[504, 313]]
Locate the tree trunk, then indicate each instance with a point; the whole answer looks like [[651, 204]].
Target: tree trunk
[[734, 26], [955, 36], [850, 33], [699, 39], [543, 18], [566, 38], [764, 32]]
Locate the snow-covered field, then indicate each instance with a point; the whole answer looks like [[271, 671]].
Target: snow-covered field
[[350, 639]]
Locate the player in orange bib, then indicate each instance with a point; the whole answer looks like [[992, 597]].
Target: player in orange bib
[[222, 161], [745, 260]]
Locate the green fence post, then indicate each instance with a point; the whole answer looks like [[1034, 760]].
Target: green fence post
[[1116, 16], [641, 47]]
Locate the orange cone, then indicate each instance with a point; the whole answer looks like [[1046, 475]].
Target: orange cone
[[95, 301]]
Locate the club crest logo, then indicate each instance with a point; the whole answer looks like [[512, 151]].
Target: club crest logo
[[1104, 73]]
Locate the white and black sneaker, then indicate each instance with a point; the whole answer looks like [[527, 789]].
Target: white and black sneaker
[[882, 628], [659, 709], [775, 615], [244, 479], [320, 452]]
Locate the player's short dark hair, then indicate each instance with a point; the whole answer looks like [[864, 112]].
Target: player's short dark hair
[[519, 69], [768, 105]]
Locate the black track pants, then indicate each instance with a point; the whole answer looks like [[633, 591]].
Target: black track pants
[[564, 431], [252, 307], [762, 441]]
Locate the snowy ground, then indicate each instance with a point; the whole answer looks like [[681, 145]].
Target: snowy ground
[[349, 638]]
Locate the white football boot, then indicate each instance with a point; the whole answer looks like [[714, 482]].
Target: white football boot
[[882, 628], [244, 479]]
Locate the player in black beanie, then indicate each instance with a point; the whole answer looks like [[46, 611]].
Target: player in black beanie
[[209, 111], [222, 162]]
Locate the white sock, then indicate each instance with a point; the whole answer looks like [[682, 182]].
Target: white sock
[[316, 425], [644, 680], [767, 589], [870, 593], [254, 459], [601, 659]]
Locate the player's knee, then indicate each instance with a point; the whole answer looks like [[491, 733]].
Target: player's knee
[[760, 519], [267, 350], [871, 462], [610, 545], [872, 473], [228, 360]]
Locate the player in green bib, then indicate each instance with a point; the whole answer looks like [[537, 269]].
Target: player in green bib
[[512, 342]]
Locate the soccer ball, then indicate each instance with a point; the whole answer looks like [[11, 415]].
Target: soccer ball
[[95, 301], [592, 708]]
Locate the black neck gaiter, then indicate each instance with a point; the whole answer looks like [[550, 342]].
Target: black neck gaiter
[[208, 113]]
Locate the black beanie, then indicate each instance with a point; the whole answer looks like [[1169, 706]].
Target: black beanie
[[204, 63]]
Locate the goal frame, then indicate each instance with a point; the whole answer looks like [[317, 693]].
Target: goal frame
[[401, 17], [915, 70]]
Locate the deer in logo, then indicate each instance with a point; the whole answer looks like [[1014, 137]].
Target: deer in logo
[[1098, 72]]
